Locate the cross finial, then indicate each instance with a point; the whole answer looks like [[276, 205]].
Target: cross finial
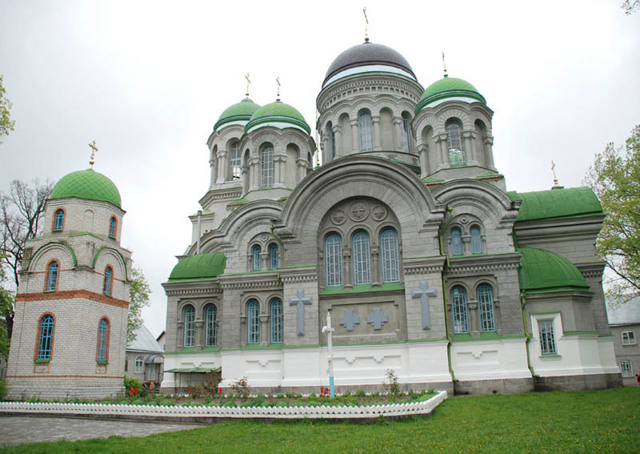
[[278, 82], [366, 25], [94, 148], [555, 177], [246, 76], [444, 65]]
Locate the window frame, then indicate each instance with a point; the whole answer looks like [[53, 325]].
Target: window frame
[[50, 286], [486, 308], [274, 251], [276, 320], [267, 167], [457, 245], [455, 142], [113, 227], [626, 368], [211, 325], [476, 239], [102, 347], [256, 257], [138, 366], [189, 317], [459, 309], [333, 259], [253, 322], [547, 337], [45, 339], [59, 217], [235, 160], [365, 130], [107, 286], [405, 132], [361, 247], [390, 255], [630, 338]]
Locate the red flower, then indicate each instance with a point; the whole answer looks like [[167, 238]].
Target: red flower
[[190, 391], [219, 391]]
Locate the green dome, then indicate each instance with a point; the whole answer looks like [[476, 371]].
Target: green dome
[[557, 204], [278, 112], [199, 266], [449, 87], [546, 271], [239, 112], [88, 185]]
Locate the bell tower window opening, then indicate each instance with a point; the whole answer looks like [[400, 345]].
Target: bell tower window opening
[[236, 161], [365, 130], [266, 166], [361, 258], [455, 144]]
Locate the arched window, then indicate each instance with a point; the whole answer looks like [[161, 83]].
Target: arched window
[[390, 260], [108, 281], [455, 143], [459, 309], [276, 321], [52, 276], [45, 338], [112, 227], [361, 258], [139, 367], [476, 239], [235, 160], [456, 241], [253, 322], [485, 307], [189, 326], [404, 132], [256, 254], [266, 165], [58, 220], [365, 130], [211, 334], [103, 340], [333, 259], [273, 256]]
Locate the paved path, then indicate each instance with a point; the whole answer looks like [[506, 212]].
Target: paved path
[[33, 429]]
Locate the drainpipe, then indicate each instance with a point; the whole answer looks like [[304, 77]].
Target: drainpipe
[[199, 231], [523, 302], [444, 292]]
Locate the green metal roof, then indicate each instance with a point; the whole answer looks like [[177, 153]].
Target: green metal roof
[[241, 111], [277, 112], [449, 87], [557, 203], [199, 266], [88, 185], [546, 271]]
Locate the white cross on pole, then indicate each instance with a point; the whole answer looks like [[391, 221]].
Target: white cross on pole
[[328, 330]]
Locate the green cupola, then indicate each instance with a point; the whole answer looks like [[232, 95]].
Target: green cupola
[[88, 185], [237, 114], [199, 267], [278, 115], [449, 88]]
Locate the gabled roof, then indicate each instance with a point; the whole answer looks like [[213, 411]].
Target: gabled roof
[[145, 341]]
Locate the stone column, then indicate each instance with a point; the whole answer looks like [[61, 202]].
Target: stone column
[[470, 147], [355, 136], [488, 151], [199, 333], [301, 169], [397, 139], [441, 140], [423, 151], [180, 334], [376, 272], [222, 165], [377, 143], [265, 334], [347, 275], [474, 323], [255, 173], [338, 141]]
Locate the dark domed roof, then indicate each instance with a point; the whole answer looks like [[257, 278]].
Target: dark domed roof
[[88, 185], [368, 54]]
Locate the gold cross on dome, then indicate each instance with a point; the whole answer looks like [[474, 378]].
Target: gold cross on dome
[[278, 82], [94, 148], [246, 76], [366, 24]]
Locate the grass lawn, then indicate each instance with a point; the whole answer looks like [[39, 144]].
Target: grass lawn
[[594, 421]]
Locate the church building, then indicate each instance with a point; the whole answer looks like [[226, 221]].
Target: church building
[[70, 326], [406, 234]]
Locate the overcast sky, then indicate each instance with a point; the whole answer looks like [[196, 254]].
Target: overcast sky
[[148, 79]]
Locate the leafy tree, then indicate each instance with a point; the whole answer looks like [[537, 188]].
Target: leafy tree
[[629, 6], [7, 301], [21, 213], [615, 178], [6, 125], [139, 294]]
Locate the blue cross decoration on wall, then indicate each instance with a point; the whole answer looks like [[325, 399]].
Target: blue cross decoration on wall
[[424, 293], [349, 320], [377, 318], [300, 301]]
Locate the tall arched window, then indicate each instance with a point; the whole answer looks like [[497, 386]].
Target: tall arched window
[[108, 281], [235, 160], [333, 259], [273, 256], [52, 276], [253, 322], [390, 259], [266, 165], [455, 143], [456, 241], [485, 307], [58, 220], [361, 258], [45, 338], [459, 309], [189, 326], [103, 340], [476, 239], [211, 328], [404, 132], [256, 254], [112, 227], [365, 130], [276, 321]]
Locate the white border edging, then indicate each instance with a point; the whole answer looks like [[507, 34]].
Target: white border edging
[[209, 412]]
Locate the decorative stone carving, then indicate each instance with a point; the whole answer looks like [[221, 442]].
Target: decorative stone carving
[[377, 318], [379, 213], [338, 217], [349, 320], [359, 211], [300, 301], [424, 293]]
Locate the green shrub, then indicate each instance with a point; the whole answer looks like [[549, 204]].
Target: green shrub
[[3, 388]]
